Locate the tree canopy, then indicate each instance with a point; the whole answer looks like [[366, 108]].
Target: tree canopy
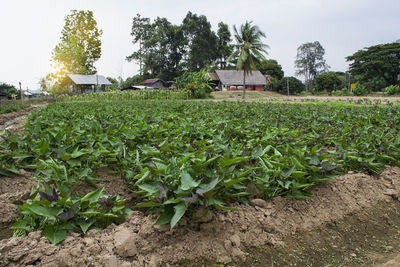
[[224, 49], [167, 50], [250, 50], [270, 67], [80, 44], [378, 65], [310, 62], [295, 85], [328, 81]]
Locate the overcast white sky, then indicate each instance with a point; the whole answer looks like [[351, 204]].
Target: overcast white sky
[[29, 30]]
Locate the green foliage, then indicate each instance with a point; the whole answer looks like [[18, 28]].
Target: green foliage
[[9, 90], [295, 86], [310, 62], [392, 90], [270, 67], [114, 84], [224, 49], [186, 157], [12, 108], [126, 96], [56, 212], [195, 84], [166, 50], [201, 42], [80, 45], [342, 92], [250, 49], [380, 63], [327, 81], [360, 90]]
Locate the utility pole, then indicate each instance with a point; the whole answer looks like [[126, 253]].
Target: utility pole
[[287, 85], [97, 87], [22, 95]]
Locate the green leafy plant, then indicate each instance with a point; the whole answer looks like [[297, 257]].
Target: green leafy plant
[[360, 90], [56, 213], [185, 158], [391, 90]]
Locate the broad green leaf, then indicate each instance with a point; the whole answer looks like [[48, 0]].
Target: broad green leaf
[[93, 196], [54, 235], [85, 224], [187, 181], [165, 217], [180, 210], [49, 212]]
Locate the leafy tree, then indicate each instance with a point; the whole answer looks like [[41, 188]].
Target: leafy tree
[[80, 45], [201, 43], [161, 47], [270, 67], [141, 29], [310, 62], [195, 83], [295, 85], [114, 84], [9, 90], [377, 66], [224, 49], [328, 81], [249, 49]]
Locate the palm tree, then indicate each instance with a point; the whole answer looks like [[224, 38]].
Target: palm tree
[[249, 49]]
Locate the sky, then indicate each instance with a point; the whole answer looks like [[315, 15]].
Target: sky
[[29, 30]]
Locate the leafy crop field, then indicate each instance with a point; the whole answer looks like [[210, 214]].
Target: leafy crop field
[[150, 94], [186, 157], [11, 108]]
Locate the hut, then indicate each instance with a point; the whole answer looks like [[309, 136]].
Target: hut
[[233, 80], [155, 83], [86, 83]]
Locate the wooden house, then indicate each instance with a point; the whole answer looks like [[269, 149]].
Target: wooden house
[[155, 83], [233, 80]]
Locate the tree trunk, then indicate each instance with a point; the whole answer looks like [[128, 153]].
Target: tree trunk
[[244, 84]]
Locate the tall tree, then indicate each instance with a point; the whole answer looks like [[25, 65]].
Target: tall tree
[[270, 67], [310, 62], [379, 62], [80, 45], [249, 48], [161, 50], [201, 44], [224, 49], [328, 81], [141, 30]]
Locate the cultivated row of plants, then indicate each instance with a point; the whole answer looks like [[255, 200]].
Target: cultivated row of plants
[[148, 94], [11, 108], [185, 158]]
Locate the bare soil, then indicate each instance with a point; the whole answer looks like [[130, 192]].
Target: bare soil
[[7, 117], [353, 220], [252, 96]]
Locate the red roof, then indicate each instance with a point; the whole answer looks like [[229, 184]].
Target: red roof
[[151, 81], [214, 76]]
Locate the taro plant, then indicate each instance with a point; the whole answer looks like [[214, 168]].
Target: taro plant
[[55, 213]]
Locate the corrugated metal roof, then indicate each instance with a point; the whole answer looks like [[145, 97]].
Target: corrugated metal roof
[[235, 77], [89, 79]]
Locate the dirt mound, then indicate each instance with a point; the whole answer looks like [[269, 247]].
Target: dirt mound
[[221, 237], [4, 118]]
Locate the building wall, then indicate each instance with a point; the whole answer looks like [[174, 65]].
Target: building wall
[[248, 88]]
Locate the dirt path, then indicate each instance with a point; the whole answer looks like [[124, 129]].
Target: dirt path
[[268, 96], [353, 220]]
